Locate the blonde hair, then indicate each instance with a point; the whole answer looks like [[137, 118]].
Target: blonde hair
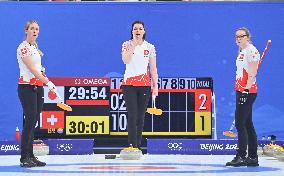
[[28, 23]]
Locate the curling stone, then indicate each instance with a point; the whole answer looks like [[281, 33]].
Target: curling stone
[[130, 153], [280, 156], [271, 150], [40, 148], [260, 151]]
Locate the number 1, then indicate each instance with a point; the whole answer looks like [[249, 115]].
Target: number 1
[[202, 123]]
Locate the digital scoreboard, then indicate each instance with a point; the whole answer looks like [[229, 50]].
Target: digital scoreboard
[[89, 99], [99, 109], [186, 105]]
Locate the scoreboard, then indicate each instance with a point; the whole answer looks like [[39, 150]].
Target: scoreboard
[[89, 99], [99, 109], [186, 105]]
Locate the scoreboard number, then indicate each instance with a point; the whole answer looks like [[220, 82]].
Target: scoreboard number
[[117, 102], [169, 83], [119, 122], [203, 123], [82, 93], [115, 83], [177, 83], [202, 97], [86, 125], [187, 83], [203, 100]]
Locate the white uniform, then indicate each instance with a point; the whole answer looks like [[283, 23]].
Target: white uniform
[[249, 54], [26, 77], [137, 72]]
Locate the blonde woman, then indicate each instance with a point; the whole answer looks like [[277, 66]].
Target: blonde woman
[[30, 91]]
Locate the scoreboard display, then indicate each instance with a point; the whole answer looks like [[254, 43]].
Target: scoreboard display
[[89, 99], [99, 109]]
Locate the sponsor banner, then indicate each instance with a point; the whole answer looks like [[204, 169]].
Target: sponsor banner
[[56, 147], [196, 147], [70, 146], [10, 148]]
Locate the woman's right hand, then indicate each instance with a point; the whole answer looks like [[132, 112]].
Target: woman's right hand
[[131, 46], [128, 51], [155, 91]]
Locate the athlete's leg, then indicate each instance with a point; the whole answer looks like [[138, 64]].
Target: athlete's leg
[[252, 138], [28, 100], [241, 119], [130, 97], [143, 99], [40, 100]]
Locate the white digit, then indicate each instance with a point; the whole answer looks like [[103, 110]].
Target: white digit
[[114, 102], [81, 93], [94, 93], [113, 83], [122, 106], [122, 122], [202, 107], [73, 91], [114, 122], [102, 93]]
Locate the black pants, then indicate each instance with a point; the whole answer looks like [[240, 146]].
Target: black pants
[[32, 99], [246, 132], [136, 100]]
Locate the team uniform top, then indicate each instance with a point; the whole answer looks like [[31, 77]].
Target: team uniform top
[[136, 72], [249, 54], [26, 77]]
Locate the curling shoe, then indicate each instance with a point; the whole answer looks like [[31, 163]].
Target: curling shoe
[[237, 162], [27, 162], [38, 162], [252, 161]]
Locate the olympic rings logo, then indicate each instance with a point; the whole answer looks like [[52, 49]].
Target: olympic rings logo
[[64, 147], [175, 146]]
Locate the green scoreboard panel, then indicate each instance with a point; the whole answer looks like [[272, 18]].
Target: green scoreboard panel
[[99, 109]]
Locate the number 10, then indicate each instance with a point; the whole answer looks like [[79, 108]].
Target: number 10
[[120, 122]]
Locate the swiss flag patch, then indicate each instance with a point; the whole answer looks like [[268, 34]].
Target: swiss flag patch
[[24, 52], [52, 119], [241, 57]]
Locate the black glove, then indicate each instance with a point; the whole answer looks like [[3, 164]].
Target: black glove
[[244, 96]]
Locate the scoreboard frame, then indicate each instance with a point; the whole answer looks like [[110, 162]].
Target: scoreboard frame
[[99, 109]]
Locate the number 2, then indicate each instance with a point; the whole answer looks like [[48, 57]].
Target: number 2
[[203, 98]]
